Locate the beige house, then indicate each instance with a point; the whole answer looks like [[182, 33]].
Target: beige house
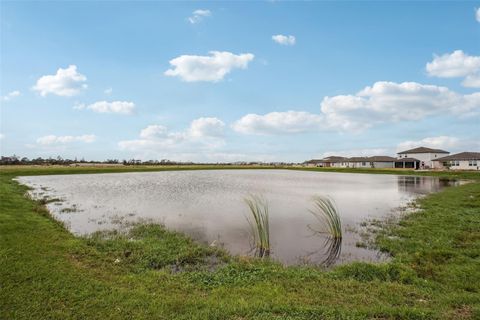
[[424, 155], [459, 161]]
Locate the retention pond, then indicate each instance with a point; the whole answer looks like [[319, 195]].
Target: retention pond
[[209, 206]]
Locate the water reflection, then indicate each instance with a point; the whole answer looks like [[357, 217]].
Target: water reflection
[[423, 185]]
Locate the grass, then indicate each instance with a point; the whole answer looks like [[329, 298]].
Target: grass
[[152, 273], [259, 223], [327, 214]]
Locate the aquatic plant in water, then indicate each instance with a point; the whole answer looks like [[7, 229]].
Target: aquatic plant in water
[[259, 224], [327, 214]]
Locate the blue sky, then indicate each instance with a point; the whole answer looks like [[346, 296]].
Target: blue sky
[[222, 81]]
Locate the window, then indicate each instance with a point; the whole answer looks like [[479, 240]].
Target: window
[[472, 163], [364, 164]]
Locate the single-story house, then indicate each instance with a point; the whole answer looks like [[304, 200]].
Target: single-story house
[[332, 161], [313, 163], [325, 162], [459, 161], [382, 161], [366, 162], [426, 156]]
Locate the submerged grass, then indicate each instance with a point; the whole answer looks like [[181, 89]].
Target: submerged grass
[[47, 273], [259, 224]]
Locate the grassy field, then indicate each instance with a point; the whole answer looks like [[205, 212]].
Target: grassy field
[[47, 273]]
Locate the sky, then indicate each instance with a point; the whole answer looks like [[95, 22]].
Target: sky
[[237, 81]]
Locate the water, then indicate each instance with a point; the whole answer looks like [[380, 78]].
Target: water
[[209, 206]]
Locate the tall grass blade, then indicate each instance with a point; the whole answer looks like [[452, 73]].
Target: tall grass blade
[[259, 224], [327, 214]]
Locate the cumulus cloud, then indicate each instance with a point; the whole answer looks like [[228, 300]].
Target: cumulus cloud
[[366, 152], [206, 127], [9, 96], [284, 40], [454, 65], [154, 132], [198, 16], [121, 107], [477, 14], [440, 142], [56, 140], [383, 102], [108, 91], [202, 133], [278, 122], [212, 68], [66, 82], [394, 102]]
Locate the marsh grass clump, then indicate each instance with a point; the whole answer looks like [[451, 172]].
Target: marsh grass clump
[[259, 223], [327, 214]]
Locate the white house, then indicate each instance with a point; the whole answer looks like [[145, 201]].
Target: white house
[[426, 156], [365, 162], [459, 161]]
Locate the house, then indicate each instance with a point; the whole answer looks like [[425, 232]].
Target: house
[[407, 163], [425, 157], [313, 163], [371, 162], [365, 162], [459, 161], [325, 162], [382, 161], [332, 161]]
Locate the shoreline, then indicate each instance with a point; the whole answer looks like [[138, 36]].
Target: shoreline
[[423, 280]]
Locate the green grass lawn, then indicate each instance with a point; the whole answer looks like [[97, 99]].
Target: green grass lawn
[[152, 273]]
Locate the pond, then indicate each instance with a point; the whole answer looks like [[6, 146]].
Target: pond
[[209, 206]]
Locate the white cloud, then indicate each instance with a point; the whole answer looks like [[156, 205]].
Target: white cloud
[[66, 82], [55, 140], [451, 65], [357, 153], [279, 122], [108, 91], [477, 14], [121, 107], [206, 127], [454, 65], [198, 16], [284, 40], [472, 81], [9, 96], [211, 68], [394, 102], [202, 133], [153, 132], [383, 102], [2, 136], [440, 142]]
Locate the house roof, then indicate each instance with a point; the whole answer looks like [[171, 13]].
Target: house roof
[[333, 159], [381, 159], [423, 150], [461, 156], [313, 161], [371, 159], [357, 159], [407, 160]]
